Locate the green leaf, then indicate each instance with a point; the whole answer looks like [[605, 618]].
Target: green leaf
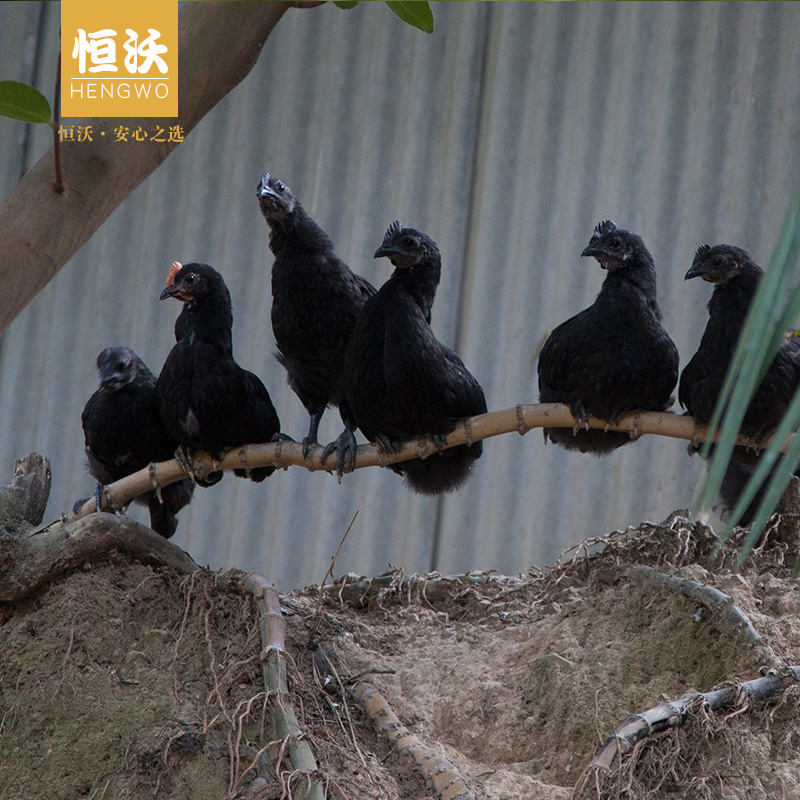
[[416, 13], [345, 3], [765, 464], [775, 488], [20, 101]]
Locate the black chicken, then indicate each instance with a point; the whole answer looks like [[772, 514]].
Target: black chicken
[[736, 278], [316, 300], [206, 400], [400, 380], [124, 433], [615, 356]]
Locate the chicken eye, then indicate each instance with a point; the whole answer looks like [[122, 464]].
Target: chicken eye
[[120, 366], [191, 278], [407, 242], [717, 261], [615, 243], [279, 187]]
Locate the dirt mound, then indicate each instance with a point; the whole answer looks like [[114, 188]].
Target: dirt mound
[[125, 680]]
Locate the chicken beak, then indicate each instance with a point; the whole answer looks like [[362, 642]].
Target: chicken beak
[[693, 273], [591, 251], [171, 290], [107, 376], [263, 188], [385, 250]]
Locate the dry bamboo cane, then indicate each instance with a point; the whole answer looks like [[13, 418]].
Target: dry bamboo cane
[[673, 714], [285, 453], [435, 768], [713, 599], [360, 590], [307, 783]]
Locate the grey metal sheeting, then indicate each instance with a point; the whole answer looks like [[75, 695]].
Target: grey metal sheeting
[[506, 135]]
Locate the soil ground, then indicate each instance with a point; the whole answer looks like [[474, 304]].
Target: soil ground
[[121, 680]]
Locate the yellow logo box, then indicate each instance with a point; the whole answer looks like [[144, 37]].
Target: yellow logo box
[[119, 59]]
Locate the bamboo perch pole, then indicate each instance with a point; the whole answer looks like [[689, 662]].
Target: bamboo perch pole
[[285, 453]]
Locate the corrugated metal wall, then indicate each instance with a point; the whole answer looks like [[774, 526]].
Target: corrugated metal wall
[[506, 135]]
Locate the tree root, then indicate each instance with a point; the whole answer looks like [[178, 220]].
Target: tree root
[[284, 453], [286, 733], [31, 484], [29, 562], [601, 777], [435, 768]]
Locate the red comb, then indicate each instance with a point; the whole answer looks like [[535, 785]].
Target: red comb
[[173, 271]]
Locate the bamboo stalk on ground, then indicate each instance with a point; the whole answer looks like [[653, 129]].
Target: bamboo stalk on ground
[[713, 599], [286, 733], [360, 590], [435, 768], [611, 758]]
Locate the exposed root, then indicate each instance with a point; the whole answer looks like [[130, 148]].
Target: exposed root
[[328, 681], [31, 561], [361, 591]]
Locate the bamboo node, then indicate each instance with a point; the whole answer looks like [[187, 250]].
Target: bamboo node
[[468, 431], [151, 471], [522, 428], [390, 725], [109, 501]]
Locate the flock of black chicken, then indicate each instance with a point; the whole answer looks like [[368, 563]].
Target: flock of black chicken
[[373, 354]]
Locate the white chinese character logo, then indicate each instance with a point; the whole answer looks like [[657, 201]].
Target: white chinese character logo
[[101, 49], [147, 49]]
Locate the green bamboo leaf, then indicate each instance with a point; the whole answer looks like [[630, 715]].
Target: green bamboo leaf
[[768, 459], [777, 486], [345, 3], [416, 13], [23, 102]]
